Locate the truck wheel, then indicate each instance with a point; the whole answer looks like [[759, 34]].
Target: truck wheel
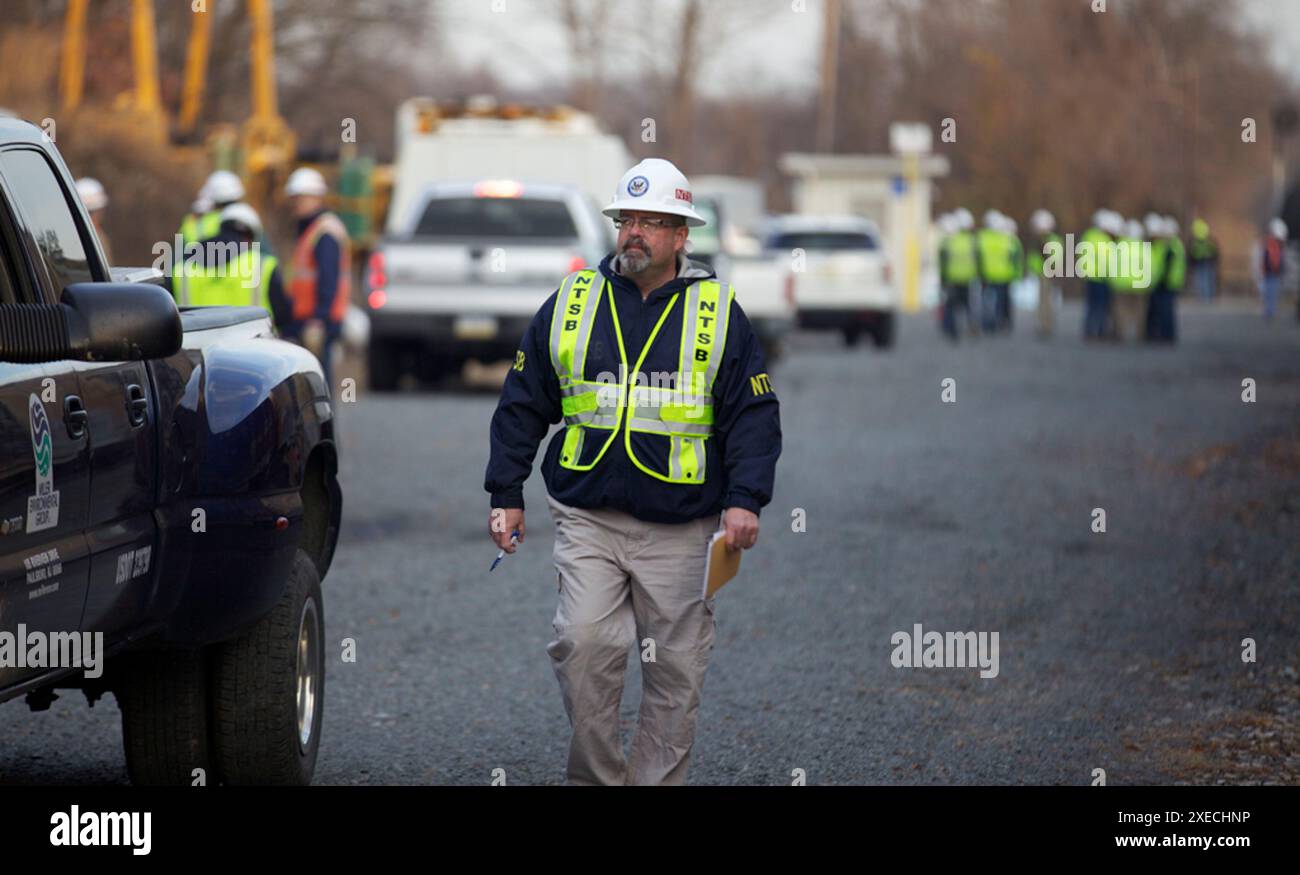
[[883, 332], [382, 363], [164, 717], [851, 335], [268, 687]]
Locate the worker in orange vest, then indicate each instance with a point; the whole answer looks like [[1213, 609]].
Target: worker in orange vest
[[320, 275]]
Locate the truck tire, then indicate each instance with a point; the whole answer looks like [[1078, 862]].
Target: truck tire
[[382, 364], [850, 333], [164, 717], [882, 334], [268, 689]]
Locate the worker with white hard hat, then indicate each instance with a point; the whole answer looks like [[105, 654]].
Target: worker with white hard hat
[[1092, 264], [1272, 266], [1001, 262], [1170, 259], [219, 190], [231, 268], [95, 199], [320, 276], [958, 270], [649, 360], [1045, 265], [1131, 281]]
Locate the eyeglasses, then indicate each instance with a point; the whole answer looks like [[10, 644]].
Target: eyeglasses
[[650, 224]]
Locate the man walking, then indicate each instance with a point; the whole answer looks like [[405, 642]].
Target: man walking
[[669, 419]]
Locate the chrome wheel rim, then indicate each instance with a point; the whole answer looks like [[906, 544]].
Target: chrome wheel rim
[[308, 673]]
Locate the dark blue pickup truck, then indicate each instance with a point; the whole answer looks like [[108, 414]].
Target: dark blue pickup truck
[[168, 487]]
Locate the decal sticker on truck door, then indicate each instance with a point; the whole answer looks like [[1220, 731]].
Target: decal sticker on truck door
[[43, 507]]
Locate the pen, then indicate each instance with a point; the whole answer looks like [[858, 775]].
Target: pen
[[514, 539]]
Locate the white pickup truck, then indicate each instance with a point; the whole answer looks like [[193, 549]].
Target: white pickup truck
[[839, 275], [463, 272]]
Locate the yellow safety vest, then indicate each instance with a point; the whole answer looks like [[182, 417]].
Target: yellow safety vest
[[241, 283], [682, 412]]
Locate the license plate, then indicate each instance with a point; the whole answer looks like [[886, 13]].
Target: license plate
[[475, 327]]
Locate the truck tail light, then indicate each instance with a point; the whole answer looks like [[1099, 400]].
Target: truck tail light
[[377, 280], [789, 289], [886, 273], [576, 263]]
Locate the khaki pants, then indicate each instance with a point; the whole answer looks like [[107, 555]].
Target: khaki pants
[[622, 580], [1046, 307], [1130, 314]]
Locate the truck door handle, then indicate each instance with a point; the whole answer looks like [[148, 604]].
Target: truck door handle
[[75, 416], [137, 406]]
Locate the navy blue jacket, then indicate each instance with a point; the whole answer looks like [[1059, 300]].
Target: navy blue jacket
[[740, 460]]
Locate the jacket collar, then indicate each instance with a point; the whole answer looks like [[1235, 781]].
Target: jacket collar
[[688, 271]]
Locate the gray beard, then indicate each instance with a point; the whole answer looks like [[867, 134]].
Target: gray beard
[[634, 260]]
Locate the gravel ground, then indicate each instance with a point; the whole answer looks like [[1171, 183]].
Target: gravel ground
[[1118, 650]]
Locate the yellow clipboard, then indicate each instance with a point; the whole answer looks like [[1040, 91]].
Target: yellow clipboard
[[721, 565]]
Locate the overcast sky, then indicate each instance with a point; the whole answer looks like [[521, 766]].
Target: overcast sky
[[522, 45]]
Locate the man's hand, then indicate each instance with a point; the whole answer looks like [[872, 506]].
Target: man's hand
[[313, 336], [502, 522], [742, 528]]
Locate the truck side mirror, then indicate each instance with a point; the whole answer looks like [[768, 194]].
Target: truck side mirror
[[93, 322]]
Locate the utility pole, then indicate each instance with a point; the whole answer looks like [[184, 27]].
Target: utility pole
[[829, 75]]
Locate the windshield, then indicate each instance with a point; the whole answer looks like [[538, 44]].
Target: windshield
[[496, 217]]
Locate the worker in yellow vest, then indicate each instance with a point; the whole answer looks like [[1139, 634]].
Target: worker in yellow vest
[[671, 431], [1131, 281], [958, 268], [231, 270], [1000, 264]]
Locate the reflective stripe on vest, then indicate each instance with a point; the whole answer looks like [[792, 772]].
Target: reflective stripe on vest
[[682, 412]]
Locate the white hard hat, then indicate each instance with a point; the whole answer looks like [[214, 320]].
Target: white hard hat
[[306, 181], [992, 218], [203, 205], [1154, 225], [92, 194], [1042, 221], [946, 223], [223, 187], [965, 221], [1114, 223], [243, 214], [1133, 229], [1171, 227], [1278, 229], [1009, 225], [656, 186]]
